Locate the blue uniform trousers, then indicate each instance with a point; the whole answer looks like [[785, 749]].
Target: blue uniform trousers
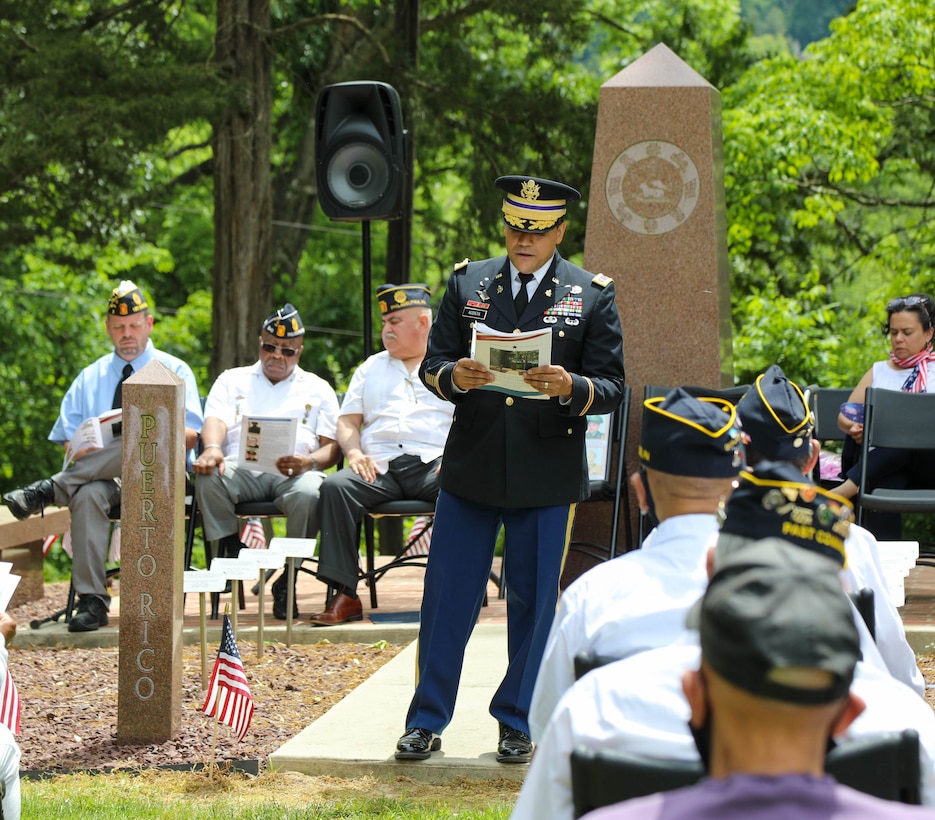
[[459, 564]]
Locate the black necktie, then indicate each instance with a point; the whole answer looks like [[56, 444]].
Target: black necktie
[[522, 295], [118, 391]]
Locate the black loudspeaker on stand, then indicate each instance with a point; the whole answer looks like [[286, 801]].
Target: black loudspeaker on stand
[[360, 152], [360, 148]]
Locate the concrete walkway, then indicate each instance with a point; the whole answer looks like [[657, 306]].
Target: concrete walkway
[[358, 736]]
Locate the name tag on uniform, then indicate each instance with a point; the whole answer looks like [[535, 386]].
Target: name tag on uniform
[[475, 310]]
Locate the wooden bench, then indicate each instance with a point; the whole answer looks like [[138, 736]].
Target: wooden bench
[[21, 544]]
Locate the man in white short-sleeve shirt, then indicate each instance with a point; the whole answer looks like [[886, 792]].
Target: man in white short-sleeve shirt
[[274, 387], [392, 431]]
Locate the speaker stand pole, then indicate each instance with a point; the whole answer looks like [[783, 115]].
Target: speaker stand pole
[[368, 320]]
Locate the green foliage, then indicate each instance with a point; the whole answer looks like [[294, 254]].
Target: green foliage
[[799, 22], [186, 333], [51, 320], [830, 170], [86, 89], [827, 160], [797, 333]]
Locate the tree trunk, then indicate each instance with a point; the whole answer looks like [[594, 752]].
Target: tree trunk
[[242, 192], [295, 195], [399, 235]]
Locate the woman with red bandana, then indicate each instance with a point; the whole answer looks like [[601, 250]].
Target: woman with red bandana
[[909, 368]]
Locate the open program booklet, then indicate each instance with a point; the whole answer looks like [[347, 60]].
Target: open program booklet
[[93, 433], [264, 440], [509, 355]]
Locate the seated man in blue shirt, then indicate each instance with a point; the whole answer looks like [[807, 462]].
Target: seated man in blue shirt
[[88, 485]]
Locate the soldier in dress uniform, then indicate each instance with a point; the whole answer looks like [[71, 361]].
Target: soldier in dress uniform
[[511, 460]]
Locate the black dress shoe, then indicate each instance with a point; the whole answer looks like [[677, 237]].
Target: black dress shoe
[[90, 614], [32, 498], [280, 599], [515, 746], [417, 744]]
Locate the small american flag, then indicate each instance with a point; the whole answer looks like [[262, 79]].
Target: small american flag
[[252, 534], [422, 530], [229, 697], [11, 707], [47, 543]]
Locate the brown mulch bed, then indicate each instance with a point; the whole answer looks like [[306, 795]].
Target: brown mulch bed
[[927, 666], [69, 699]]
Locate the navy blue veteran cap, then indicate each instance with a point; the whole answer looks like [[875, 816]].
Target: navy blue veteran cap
[[775, 414], [285, 323], [534, 205], [777, 501], [126, 299], [398, 297], [685, 435], [775, 622]]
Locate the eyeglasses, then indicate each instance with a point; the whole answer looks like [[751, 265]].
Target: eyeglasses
[[288, 352], [906, 301]]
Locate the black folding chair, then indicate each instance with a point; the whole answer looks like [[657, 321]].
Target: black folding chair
[[897, 421], [610, 484], [885, 765], [825, 404]]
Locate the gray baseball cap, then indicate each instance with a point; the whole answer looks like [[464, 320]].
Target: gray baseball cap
[[774, 614]]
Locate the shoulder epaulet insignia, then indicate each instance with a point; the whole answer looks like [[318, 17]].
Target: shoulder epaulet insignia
[[462, 264], [601, 280]]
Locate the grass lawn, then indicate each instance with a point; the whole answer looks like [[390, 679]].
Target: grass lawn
[[283, 796]]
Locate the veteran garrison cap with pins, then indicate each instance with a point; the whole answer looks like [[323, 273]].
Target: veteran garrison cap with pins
[[534, 205], [775, 415], [776, 500], [691, 436], [285, 323], [391, 298], [126, 299]]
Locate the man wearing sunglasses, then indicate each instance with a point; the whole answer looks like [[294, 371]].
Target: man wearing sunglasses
[[274, 387]]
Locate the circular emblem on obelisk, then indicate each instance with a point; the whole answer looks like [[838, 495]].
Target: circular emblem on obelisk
[[652, 187]]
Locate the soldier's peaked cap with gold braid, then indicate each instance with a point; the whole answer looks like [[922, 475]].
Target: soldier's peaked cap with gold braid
[[534, 205]]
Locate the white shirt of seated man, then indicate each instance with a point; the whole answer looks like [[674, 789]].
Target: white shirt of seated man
[[618, 609], [864, 570]]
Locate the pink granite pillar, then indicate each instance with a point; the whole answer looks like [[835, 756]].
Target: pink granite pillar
[[657, 226], [152, 546]]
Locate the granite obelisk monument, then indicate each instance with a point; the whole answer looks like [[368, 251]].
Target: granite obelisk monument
[[657, 226], [152, 507]]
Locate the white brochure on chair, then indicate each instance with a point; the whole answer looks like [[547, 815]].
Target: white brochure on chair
[[264, 440], [597, 444]]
